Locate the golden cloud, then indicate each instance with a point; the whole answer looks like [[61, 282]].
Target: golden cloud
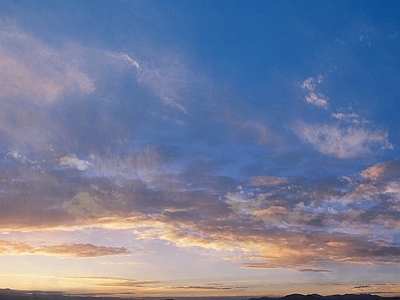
[[383, 170], [266, 180], [74, 250]]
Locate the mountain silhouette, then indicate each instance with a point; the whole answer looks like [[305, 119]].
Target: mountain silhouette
[[8, 294], [330, 297]]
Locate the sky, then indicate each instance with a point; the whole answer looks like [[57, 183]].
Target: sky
[[200, 148]]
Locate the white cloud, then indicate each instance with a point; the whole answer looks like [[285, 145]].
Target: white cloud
[[167, 78], [125, 59], [72, 160], [169, 102], [308, 84], [342, 142], [317, 100], [312, 97], [15, 155], [349, 117]]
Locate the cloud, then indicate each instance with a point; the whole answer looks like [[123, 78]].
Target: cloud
[[110, 286], [81, 250], [202, 287], [7, 247], [128, 283], [18, 157], [314, 270], [317, 99], [383, 171], [350, 118], [308, 84], [272, 222], [134, 169], [74, 250], [61, 99], [167, 77], [72, 160], [361, 287], [272, 210], [376, 288], [172, 103], [343, 141], [295, 248], [125, 59], [83, 205], [32, 70], [34, 77], [266, 180], [311, 83]]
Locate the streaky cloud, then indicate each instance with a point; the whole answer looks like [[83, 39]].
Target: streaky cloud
[[344, 142], [314, 270], [74, 250], [125, 59], [36, 71]]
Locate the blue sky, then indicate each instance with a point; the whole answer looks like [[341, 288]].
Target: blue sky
[[203, 148]]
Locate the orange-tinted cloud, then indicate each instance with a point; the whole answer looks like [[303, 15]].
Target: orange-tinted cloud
[[74, 250], [383, 171]]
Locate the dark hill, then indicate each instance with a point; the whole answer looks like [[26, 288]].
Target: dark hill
[[330, 297], [8, 294]]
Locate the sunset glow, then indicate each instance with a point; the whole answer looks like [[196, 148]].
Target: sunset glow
[[200, 148]]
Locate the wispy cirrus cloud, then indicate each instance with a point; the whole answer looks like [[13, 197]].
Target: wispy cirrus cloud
[[206, 287], [124, 282], [72, 99], [168, 78], [349, 136], [31, 69], [314, 270], [34, 77], [343, 141], [125, 59]]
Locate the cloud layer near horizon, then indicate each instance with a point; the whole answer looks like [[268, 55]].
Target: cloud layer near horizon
[[337, 220]]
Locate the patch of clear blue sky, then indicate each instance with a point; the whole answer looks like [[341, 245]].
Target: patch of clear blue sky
[[250, 36]]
